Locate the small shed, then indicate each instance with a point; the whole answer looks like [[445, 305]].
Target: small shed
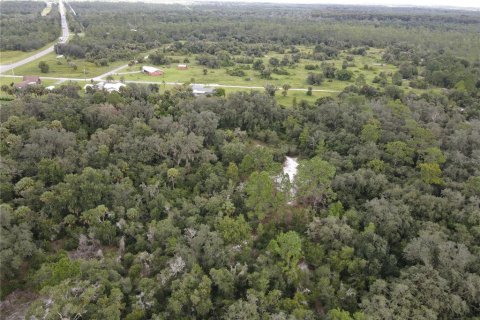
[[110, 87], [200, 89], [152, 71], [182, 67]]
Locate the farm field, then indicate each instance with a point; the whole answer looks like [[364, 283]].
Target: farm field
[[46, 11], [8, 57], [296, 78], [60, 67]]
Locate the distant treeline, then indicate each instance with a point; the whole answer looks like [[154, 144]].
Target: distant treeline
[[116, 30], [23, 28]]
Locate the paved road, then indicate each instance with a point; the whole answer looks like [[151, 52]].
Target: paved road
[[63, 39], [63, 18], [111, 72]]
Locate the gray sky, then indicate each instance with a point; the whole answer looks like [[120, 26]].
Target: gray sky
[[429, 3]]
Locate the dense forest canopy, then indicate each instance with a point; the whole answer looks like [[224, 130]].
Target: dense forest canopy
[[154, 203], [117, 30], [23, 28]]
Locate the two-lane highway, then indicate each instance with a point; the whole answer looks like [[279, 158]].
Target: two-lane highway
[[63, 39], [63, 18]]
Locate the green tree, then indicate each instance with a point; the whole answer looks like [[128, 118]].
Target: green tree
[[258, 65], [52, 274], [220, 92], [262, 196], [191, 295], [16, 243], [234, 230], [289, 247], [338, 314], [285, 88], [343, 75], [79, 192], [99, 224], [225, 281], [313, 182], [399, 153], [431, 173], [433, 155], [244, 310], [371, 131], [172, 175], [232, 172], [397, 79], [43, 66], [270, 89], [74, 299]]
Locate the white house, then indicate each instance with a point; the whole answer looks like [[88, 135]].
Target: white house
[[107, 86], [152, 71], [200, 89], [116, 86]]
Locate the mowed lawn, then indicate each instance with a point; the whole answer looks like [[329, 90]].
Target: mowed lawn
[[8, 57], [60, 68], [296, 78], [9, 80]]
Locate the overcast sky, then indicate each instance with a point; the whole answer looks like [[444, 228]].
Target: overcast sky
[[430, 3]]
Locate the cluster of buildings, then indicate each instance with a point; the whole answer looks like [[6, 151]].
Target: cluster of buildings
[[28, 81], [107, 86], [197, 89], [152, 71]]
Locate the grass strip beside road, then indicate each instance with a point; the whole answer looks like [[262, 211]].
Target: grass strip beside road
[[9, 57]]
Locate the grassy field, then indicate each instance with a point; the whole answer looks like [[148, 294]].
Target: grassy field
[[7, 57], [59, 67], [282, 100], [9, 80], [47, 9], [296, 78]]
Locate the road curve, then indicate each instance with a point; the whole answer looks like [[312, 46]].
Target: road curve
[[63, 39], [110, 73]]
